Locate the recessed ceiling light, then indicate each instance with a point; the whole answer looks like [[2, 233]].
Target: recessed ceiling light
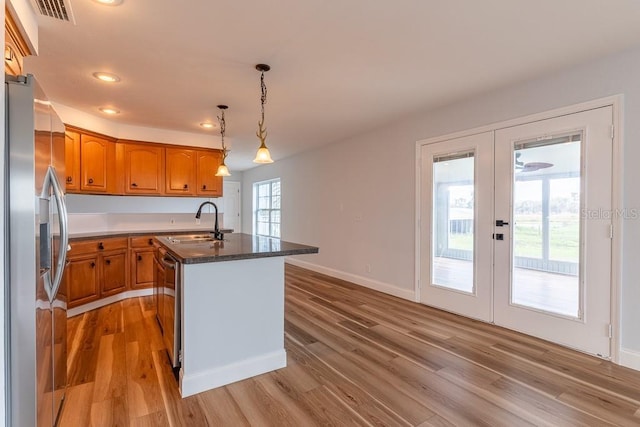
[[109, 110], [106, 77], [207, 125], [109, 2]]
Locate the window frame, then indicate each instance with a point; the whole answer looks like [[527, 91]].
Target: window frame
[[271, 209]]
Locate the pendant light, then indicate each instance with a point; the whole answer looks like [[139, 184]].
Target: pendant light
[[223, 170], [263, 155]]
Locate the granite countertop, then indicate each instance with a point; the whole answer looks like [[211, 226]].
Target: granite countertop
[[134, 233], [235, 246]]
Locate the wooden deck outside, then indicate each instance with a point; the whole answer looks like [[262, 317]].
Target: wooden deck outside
[[554, 292]]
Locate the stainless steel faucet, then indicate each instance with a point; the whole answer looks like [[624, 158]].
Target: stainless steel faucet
[[216, 229]]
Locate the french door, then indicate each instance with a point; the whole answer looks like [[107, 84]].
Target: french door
[[457, 209], [518, 228]]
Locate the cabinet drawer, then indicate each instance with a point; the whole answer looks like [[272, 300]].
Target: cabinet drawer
[[97, 245], [141, 242]]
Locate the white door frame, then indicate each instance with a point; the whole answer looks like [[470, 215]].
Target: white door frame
[[228, 186], [617, 103]]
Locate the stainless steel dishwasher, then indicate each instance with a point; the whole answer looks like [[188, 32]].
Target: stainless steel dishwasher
[[169, 307]]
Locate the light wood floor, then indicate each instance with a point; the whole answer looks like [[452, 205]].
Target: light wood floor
[[355, 357]]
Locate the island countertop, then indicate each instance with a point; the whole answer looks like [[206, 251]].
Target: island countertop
[[235, 246]]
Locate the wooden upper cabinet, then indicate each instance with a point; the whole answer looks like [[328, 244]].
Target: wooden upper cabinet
[[15, 46], [97, 164], [72, 160], [209, 184], [143, 169], [180, 172]]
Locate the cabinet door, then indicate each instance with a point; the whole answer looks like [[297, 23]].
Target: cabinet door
[[114, 273], [143, 169], [82, 280], [209, 184], [180, 171], [72, 160], [142, 268], [95, 155]]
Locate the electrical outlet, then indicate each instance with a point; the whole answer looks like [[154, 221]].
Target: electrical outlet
[[172, 221], [197, 221], [367, 268]]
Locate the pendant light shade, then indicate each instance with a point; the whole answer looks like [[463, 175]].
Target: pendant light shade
[[223, 170], [263, 155]]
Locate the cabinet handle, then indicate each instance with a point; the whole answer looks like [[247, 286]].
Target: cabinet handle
[[93, 264], [139, 257], [69, 179], [186, 186], [204, 187], [133, 184], [100, 246], [90, 180], [108, 261], [150, 242]]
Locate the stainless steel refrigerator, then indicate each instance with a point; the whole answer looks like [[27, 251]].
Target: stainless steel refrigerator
[[37, 237]]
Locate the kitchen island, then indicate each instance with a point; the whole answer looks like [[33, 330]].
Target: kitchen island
[[230, 297]]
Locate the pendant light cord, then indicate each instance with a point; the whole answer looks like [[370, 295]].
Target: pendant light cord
[[223, 126], [263, 98]]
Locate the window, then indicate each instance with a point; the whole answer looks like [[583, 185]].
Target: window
[[266, 208]]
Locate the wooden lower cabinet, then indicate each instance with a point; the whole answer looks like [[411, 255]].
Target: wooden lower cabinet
[[99, 268], [114, 273], [96, 269], [142, 267], [82, 279]]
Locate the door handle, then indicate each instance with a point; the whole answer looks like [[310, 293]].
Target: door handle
[[51, 184], [501, 223]]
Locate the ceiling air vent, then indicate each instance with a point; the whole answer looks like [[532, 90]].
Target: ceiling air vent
[[57, 9]]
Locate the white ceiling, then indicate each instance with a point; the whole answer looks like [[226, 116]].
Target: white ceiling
[[339, 68]]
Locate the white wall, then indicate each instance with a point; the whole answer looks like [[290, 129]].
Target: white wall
[[355, 199], [96, 214], [72, 116]]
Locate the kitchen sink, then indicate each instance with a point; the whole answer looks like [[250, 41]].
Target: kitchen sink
[[191, 239]]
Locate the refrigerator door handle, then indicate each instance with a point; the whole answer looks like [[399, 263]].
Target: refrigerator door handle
[[52, 184]]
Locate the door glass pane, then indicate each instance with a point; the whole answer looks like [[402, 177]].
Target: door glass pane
[[546, 231], [453, 222]]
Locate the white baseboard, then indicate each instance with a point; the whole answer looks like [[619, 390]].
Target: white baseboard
[[108, 300], [386, 288], [192, 384], [630, 359]]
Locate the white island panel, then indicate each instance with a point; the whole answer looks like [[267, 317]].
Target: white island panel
[[232, 322]]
